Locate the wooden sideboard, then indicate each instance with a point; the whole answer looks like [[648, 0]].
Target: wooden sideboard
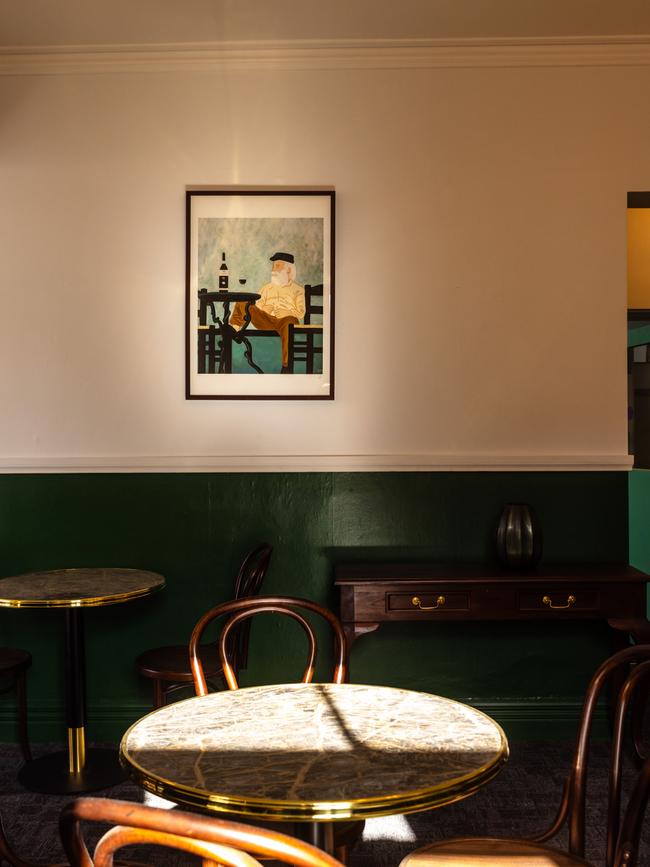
[[375, 593]]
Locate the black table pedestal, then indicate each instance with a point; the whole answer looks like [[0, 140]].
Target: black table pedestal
[[320, 834], [78, 769], [51, 774]]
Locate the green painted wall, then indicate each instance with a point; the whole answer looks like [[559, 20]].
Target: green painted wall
[[195, 528], [639, 512], [638, 336]]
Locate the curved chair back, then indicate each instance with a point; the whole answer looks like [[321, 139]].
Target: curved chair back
[[627, 673], [631, 667], [217, 841], [252, 570], [246, 608], [248, 582], [168, 667], [627, 849], [226, 663]]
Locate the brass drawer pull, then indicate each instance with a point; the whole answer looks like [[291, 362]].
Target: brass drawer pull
[[440, 601], [569, 602]]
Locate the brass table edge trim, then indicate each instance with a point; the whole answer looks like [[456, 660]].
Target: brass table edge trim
[[361, 808], [83, 602]]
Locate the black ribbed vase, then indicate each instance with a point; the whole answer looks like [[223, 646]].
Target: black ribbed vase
[[519, 538]]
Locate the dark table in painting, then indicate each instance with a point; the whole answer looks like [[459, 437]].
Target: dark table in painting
[[78, 769], [314, 753], [215, 341]]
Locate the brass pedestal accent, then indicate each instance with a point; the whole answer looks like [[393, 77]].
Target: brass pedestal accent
[[76, 749]]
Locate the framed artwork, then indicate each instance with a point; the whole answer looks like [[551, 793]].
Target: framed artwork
[[260, 294]]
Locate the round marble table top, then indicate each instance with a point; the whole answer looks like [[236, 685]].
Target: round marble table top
[[314, 751], [77, 588]]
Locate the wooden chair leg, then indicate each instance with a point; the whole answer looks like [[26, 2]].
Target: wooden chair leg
[[158, 694], [342, 853], [21, 706], [641, 709]]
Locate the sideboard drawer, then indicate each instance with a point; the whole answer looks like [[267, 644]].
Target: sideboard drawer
[[564, 599], [428, 601]]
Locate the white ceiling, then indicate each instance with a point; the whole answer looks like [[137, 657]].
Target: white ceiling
[[110, 22]]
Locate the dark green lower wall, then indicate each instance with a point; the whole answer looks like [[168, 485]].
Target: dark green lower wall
[[195, 528], [639, 510]]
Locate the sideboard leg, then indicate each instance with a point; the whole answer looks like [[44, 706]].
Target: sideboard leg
[[356, 630], [352, 632]]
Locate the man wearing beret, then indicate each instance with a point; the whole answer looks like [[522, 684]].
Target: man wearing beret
[[281, 303]]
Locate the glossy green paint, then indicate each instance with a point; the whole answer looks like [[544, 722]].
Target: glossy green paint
[[195, 528], [638, 336], [639, 512]]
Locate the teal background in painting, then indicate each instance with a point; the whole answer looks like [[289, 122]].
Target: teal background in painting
[[250, 242], [267, 354]]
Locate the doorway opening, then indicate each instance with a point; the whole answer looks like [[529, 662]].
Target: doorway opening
[[638, 327]]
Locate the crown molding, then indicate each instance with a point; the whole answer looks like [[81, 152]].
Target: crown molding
[[326, 54], [320, 463]]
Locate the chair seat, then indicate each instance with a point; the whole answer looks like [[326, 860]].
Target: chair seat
[[14, 660], [490, 852], [173, 663]]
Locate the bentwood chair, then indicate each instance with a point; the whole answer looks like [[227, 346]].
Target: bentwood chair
[[622, 839], [169, 667], [240, 610], [13, 669], [345, 833], [216, 841]]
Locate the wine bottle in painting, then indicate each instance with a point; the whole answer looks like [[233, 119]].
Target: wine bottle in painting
[[223, 273]]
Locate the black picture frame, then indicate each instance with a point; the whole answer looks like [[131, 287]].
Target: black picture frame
[[259, 321]]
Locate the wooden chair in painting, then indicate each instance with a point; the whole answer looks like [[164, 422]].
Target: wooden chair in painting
[[306, 339], [622, 838], [216, 841], [169, 667]]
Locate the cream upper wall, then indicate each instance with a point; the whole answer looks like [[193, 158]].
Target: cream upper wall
[[68, 22], [480, 263]]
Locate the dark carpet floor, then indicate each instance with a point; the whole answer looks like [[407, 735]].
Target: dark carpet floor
[[519, 802]]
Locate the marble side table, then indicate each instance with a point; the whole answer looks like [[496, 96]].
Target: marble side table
[[78, 769], [315, 753]]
